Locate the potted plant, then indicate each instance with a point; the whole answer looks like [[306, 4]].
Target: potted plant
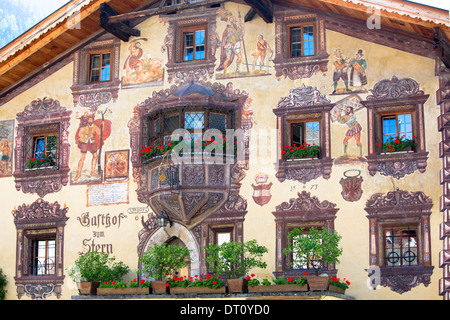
[[121, 287], [160, 261], [337, 285], [234, 260], [93, 267], [278, 285], [314, 249], [3, 283], [209, 283]]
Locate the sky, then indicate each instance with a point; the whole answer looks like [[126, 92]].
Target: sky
[[17, 16]]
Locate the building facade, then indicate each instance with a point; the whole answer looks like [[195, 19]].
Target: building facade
[[91, 101]]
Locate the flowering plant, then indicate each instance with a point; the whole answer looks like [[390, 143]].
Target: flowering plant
[[209, 281], [122, 284], [190, 144], [397, 143], [338, 283], [281, 280], [37, 161], [301, 151]]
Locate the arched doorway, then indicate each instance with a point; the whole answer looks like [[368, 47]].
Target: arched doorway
[[178, 235], [184, 272]]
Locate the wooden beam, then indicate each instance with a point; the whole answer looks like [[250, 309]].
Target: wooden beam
[[250, 15], [121, 30], [161, 10], [441, 46], [264, 8]]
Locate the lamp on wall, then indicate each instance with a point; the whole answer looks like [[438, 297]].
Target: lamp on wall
[[164, 219]]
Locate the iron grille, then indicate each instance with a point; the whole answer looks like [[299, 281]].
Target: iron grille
[[43, 257], [401, 247]]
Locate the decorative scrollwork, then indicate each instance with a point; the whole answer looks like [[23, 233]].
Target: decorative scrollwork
[[303, 96], [395, 88], [305, 202]]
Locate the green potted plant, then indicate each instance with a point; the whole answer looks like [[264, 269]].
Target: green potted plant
[[93, 267], [163, 260], [278, 285], [234, 260], [209, 283], [314, 249], [337, 285], [398, 143], [302, 151], [3, 283]]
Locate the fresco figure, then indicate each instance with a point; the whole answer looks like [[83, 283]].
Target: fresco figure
[[6, 156], [90, 136], [133, 63], [354, 128], [232, 43], [340, 70], [260, 53], [358, 66]]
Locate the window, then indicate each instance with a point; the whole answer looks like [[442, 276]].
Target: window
[[194, 45], [99, 67], [305, 132], [41, 146], [399, 231], [43, 254], [300, 45], [304, 211], [40, 248], [301, 41], [223, 236], [400, 246], [194, 119], [303, 117], [397, 126], [396, 109]]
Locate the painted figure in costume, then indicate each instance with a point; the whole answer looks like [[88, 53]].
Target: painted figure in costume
[[340, 69], [231, 44], [90, 136], [354, 128], [358, 77], [261, 51], [133, 61]]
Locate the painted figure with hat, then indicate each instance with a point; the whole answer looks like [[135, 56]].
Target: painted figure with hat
[[358, 77]]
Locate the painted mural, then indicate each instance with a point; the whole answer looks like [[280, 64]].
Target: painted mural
[[349, 74], [6, 147], [116, 164], [233, 60], [90, 137], [140, 70]]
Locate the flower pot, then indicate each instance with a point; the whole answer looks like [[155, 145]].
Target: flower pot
[[188, 290], [336, 289], [160, 287], [87, 287], [279, 288], [318, 283], [120, 291], [237, 285]]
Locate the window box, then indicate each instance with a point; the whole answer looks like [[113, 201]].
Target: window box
[[396, 110], [42, 148]]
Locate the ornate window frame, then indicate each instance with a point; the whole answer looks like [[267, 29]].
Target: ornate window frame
[[304, 211], [92, 95], [392, 96], [400, 208], [304, 103], [199, 70], [39, 218], [304, 66], [42, 112]]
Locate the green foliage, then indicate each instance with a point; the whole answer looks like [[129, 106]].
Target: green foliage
[[209, 281], [315, 248], [397, 143], [3, 283], [162, 260], [122, 284], [301, 151], [97, 267], [343, 284], [281, 280], [235, 259]]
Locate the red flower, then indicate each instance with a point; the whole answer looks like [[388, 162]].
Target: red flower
[[247, 278], [104, 282], [252, 275], [167, 284], [348, 282], [113, 282], [305, 273], [214, 282], [142, 281], [289, 279]]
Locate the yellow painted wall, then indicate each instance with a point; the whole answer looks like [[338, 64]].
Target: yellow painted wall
[[265, 91]]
